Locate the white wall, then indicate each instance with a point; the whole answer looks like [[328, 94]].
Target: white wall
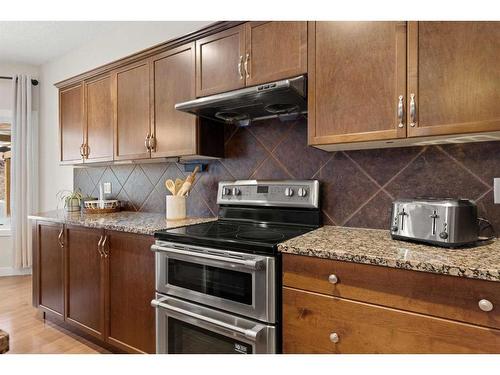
[[125, 39], [9, 69]]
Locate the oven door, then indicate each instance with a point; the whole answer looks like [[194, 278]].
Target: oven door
[[187, 328], [240, 283]]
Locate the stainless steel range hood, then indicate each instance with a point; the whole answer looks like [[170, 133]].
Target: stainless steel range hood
[[283, 99]]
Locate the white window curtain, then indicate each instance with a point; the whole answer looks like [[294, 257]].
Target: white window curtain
[[24, 168]]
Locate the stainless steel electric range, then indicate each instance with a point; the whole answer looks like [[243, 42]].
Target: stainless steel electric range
[[219, 283]]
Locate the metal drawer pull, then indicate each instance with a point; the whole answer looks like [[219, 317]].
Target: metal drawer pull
[[485, 305], [252, 264], [401, 111], [334, 337], [249, 333], [333, 279], [240, 64], [413, 111]]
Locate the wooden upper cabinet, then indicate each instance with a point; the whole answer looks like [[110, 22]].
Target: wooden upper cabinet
[[132, 112], [454, 75], [71, 123], [219, 62], [357, 74], [131, 287], [84, 280], [99, 119], [50, 267], [173, 81], [276, 50]]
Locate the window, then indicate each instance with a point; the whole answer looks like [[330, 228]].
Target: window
[[5, 155]]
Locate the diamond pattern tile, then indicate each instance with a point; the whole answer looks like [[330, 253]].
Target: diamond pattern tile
[[243, 154], [301, 161], [344, 188], [138, 187], [433, 174], [349, 197], [108, 176], [154, 171]]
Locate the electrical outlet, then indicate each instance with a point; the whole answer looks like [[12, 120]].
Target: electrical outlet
[[496, 190], [107, 188]]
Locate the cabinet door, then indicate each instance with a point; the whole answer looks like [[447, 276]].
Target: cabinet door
[[99, 119], [132, 122], [84, 281], [71, 124], [454, 75], [173, 81], [276, 50], [131, 287], [219, 62], [357, 74], [49, 264], [314, 323]]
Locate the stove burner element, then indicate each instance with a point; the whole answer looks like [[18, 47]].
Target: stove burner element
[[212, 229], [260, 235]]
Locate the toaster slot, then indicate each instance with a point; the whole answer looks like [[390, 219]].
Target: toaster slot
[[434, 216]]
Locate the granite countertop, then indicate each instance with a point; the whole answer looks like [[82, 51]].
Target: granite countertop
[[376, 247], [124, 221]]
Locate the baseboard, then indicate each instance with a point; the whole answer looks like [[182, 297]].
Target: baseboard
[[10, 271]]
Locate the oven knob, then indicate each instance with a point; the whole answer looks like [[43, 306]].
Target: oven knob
[[288, 192], [226, 191], [443, 235], [236, 191], [302, 192]]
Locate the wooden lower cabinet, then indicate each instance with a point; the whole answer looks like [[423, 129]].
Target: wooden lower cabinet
[[313, 322], [84, 280], [131, 285], [97, 283], [49, 253]]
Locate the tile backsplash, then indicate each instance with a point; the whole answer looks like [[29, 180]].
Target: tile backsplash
[[357, 187]]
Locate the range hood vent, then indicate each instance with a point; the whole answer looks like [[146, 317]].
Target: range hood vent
[[284, 99]]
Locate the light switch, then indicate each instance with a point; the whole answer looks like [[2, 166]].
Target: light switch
[[107, 188], [496, 190]]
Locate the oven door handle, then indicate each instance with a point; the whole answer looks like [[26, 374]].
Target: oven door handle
[[253, 264], [251, 334]]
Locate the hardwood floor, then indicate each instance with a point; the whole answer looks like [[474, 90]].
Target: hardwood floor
[[29, 333]]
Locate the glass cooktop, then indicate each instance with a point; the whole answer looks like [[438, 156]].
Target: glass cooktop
[[234, 235]]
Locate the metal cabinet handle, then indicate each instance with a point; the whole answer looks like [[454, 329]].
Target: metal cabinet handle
[[59, 238], [251, 333], [247, 57], [103, 247], [413, 111], [334, 337], [86, 150], [152, 142], [146, 142], [333, 279], [401, 111], [240, 64], [99, 246], [82, 152], [485, 305]]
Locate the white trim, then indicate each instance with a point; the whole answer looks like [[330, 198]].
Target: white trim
[[10, 271]]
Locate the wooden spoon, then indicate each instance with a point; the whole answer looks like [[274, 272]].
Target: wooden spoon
[[170, 185], [178, 185]]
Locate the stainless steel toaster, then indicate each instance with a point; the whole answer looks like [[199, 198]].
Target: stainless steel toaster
[[443, 222]]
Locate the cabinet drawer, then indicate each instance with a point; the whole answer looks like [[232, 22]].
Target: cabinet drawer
[[427, 293], [310, 319]]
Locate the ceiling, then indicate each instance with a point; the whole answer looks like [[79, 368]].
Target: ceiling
[[36, 42]]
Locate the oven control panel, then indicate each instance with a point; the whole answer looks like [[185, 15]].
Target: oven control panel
[[286, 193]]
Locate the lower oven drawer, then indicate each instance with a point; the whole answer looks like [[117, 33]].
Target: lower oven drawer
[[315, 323], [187, 328], [239, 283]]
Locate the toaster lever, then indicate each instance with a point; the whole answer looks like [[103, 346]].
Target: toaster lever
[[402, 214], [434, 216]]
